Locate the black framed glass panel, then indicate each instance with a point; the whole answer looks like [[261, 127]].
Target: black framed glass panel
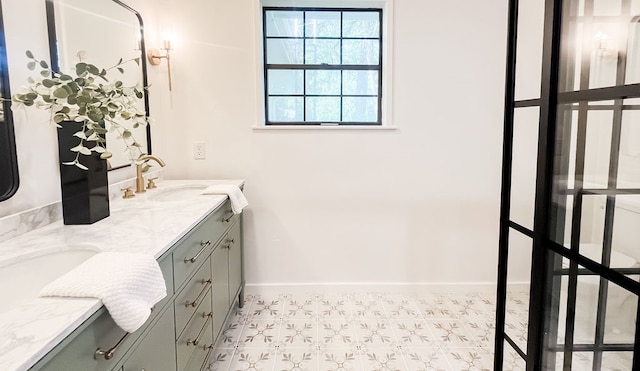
[[322, 66]]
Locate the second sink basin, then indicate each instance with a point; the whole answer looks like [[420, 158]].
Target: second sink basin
[[24, 279], [177, 193]]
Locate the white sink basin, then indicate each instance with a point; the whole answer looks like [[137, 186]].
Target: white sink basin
[[177, 193], [23, 280]]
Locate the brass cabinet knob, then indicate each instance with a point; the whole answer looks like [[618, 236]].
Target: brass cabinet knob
[[128, 192], [151, 184]]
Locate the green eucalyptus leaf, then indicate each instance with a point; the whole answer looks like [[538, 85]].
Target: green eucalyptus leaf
[[29, 54], [121, 70], [72, 99], [65, 77], [31, 96], [126, 134], [138, 95], [49, 83], [31, 66], [45, 73], [44, 64], [93, 69], [137, 60], [118, 84], [60, 93], [58, 118], [95, 116], [81, 68], [105, 155]]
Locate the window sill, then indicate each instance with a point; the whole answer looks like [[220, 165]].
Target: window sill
[[325, 127]]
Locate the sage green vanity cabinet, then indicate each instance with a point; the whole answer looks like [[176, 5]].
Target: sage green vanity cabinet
[[220, 270], [99, 332], [203, 273], [234, 237], [155, 351]]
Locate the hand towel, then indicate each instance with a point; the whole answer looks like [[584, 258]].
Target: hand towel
[[128, 284], [238, 200]]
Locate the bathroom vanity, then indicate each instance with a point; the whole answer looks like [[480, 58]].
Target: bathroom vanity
[[202, 267]]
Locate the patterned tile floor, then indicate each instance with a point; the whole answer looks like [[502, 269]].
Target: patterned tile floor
[[377, 331], [364, 331]]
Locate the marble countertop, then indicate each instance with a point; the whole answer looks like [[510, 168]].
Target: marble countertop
[[141, 225]]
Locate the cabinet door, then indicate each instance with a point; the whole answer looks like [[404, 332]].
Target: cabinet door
[[235, 261], [220, 277], [157, 351]]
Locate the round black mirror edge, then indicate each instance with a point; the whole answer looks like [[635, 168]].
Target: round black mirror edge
[[55, 59], [8, 154]]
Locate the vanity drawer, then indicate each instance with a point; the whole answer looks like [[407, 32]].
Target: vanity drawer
[[200, 355], [198, 328], [194, 248], [192, 295], [192, 251], [78, 353]]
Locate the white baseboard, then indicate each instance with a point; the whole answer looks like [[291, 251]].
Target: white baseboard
[[401, 287]]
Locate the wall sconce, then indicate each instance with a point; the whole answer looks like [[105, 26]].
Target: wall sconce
[[602, 51], [155, 56]]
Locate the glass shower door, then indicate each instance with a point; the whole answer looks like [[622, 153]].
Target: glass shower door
[[584, 237], [592, 242]]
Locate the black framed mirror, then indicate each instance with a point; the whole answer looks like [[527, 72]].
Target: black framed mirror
[[105, 31], [9, 179]]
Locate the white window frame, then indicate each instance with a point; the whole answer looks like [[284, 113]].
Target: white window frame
[[387, 60]]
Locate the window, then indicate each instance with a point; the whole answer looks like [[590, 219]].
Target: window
[[322, 66]]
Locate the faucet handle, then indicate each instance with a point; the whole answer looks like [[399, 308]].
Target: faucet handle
[[151, 183], [128, 192]]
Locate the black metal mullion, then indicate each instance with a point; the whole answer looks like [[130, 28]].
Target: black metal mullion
[[266, 68], [540, 280], [600, 94], [614, 154], [636, 350], [304, 60], [380, 51], [576, 221], [586, 272], [505, 196], [610, 274], [366, 67], [341, 61]]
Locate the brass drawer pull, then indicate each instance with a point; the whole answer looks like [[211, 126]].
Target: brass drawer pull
[[197, 339], [206, 359], [228, 217], [204, 247], [207, 284], [111, 352]]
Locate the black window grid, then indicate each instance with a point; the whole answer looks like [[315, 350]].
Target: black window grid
[[311, 67]]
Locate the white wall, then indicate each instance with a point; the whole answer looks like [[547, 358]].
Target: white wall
[[419, 204]]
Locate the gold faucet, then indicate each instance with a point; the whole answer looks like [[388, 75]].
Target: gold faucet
[[139, 178]]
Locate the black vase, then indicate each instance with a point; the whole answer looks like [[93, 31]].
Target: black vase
[[85, 193]]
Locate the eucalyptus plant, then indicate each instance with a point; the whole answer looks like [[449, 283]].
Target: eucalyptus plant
[[87, 96]]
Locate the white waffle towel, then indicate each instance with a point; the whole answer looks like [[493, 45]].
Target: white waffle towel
[[128, 284], [237, 198]]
